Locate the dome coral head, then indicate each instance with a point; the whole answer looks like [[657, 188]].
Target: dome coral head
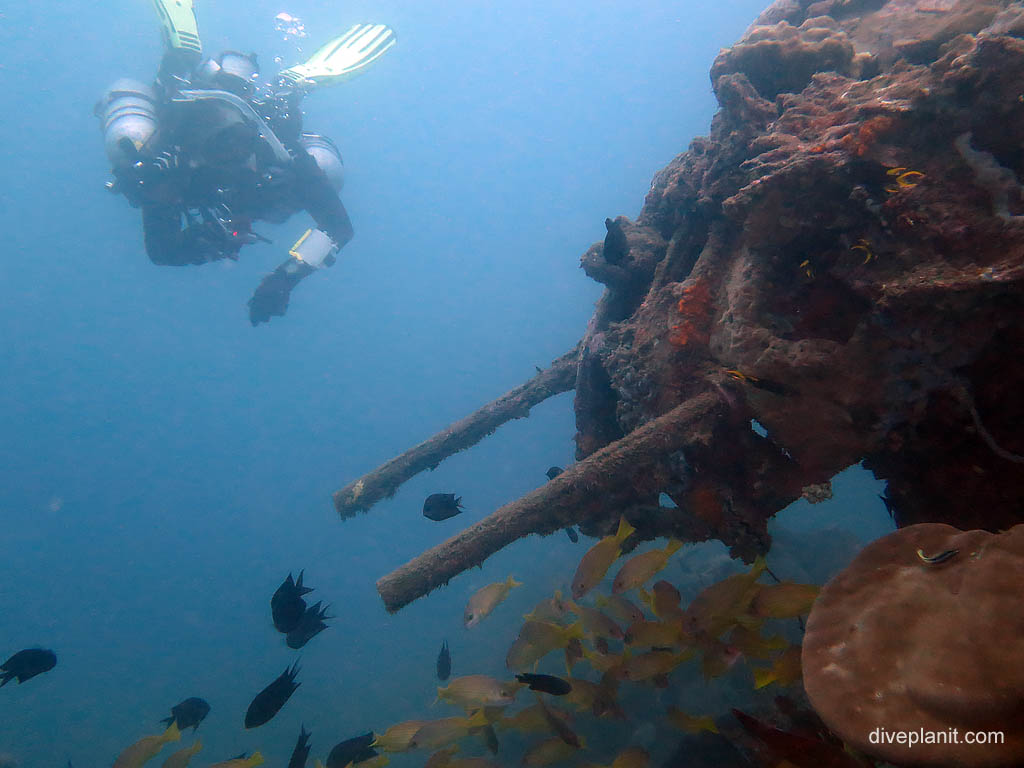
[[924, 633]]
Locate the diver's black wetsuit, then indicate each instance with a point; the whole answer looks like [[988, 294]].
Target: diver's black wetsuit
[[201, 185], [176, 237]]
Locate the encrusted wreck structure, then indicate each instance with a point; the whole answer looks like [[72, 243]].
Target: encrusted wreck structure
[[839, 264]]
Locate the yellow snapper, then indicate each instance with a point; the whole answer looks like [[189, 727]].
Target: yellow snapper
[[440, 733], [665, 601], [397, 737], [719, 657], [441, 758], [181, 758], [378, 761], [784, 601], [620, 609], [605, 701], [475, 691], [241, 762], [653, 633], [689, 723], [785, 671], [602, 662], [536, 640], [652, 664], [639, 568], [721, 605], [547, 752], [631, 757], [599, 559], [752, 644], [551, 609], [486, 600], [146, 748], [573, 653], [596, 623], [558, 723], [530, 720]]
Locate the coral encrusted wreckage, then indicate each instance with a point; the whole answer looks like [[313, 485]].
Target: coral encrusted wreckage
[[839, 263]]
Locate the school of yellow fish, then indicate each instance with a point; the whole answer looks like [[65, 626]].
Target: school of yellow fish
[[652, 638]]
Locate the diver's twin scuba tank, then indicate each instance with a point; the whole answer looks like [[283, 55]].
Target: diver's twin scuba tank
[[325, 153], [219, 122], [127, 115]]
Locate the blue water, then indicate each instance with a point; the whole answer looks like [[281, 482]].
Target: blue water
[[163, 464]]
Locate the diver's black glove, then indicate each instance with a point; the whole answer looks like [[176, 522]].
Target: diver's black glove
[[271, 296]]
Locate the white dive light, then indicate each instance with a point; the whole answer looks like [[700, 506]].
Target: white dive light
[[314, 248]]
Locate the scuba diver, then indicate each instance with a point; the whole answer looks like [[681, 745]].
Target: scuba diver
[[208, 150]]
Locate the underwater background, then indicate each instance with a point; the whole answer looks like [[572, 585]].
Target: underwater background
[[163, 465]]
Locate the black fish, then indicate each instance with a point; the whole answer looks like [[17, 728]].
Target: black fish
[[310, 625], [441, 506], [556, 686], [553, 472], [352, 751], [287, 605], [616, 246], [269, 701], [573, 536], [444, 662], [188, 713], [27, 664], [301, 751]]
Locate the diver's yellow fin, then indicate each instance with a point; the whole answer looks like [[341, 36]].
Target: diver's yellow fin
[[179, 26], [343, 56]]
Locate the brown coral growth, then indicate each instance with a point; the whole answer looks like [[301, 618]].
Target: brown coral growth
[[875, 318], [953, 664], [695, 309]]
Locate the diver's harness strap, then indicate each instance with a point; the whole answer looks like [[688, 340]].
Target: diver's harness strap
[[315, 248], [245, 111]]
